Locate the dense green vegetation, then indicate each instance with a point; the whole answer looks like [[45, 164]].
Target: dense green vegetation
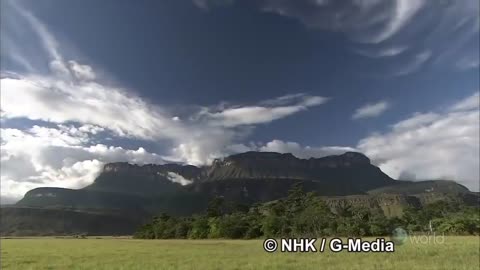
[[456, 252], [306, 215]]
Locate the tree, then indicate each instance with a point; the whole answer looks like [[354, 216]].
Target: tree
[[233, 226], [315, 218], [182, 228], [200, 228], [214, 208], [307, 215], [254, 221]]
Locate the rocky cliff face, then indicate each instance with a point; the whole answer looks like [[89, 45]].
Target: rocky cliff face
[[247, 177], [249, 165], [255, 165], [187, 171], [251, 177], [146, 180], [349, 173]]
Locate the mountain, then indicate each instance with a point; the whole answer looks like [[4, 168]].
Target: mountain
[[265, 176], [248, 177], [148, 179], [138, 192]]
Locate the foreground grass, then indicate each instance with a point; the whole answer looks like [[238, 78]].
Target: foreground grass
[[110, 253]]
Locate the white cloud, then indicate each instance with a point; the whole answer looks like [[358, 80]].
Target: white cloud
[[384, 29], [74, 99], [91, 129], [468, 62], [376, 20], [66, 156], [403, 12], [382, 52], [417, 120], [177, 178], [303, 151], [371, 110], [442, 145], [58, 157], [74, 93], [270, 111], [48, 41], [371, 21], [432, 145], [57, 100], [469, 103], [92, 104], [417, 62], [212, 131], [82, 72]]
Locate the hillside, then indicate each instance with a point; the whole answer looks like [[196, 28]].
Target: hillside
[[21, 221], [133, 191]]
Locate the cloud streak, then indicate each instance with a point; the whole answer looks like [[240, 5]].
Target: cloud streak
[[387, 29], [272, 110], [371, 110]]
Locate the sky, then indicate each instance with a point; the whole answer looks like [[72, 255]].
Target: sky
[[84, 83]]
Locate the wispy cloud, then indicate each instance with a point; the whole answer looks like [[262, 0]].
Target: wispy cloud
[[371, 110], [382, 52], [417, 62], [468, 62], [271, 110], [470, 103], [79, 108], [390, 29], [363, 21]]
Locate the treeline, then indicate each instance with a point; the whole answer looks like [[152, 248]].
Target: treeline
[[307, 215]]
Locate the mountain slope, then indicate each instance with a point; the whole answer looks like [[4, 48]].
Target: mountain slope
[[249, 177], [128, 190]]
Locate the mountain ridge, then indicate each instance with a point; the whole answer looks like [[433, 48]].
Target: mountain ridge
[[245, 178]]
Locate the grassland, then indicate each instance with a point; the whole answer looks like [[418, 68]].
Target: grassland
[[111, 253]]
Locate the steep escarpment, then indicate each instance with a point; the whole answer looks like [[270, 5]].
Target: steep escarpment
[[148, 179], [127, 190], [261, 165], [248, 177]]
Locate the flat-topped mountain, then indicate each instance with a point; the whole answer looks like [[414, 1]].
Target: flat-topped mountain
[[246, 178], [352, 170], [144, 180], [274, 165]]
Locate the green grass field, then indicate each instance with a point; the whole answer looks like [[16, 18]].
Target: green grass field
[[111, 253]]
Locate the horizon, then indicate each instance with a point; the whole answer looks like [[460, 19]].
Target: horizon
[[192, 81]]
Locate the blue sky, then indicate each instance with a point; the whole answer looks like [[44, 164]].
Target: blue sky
[[90, 82]]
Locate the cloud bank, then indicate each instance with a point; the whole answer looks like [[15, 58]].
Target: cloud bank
[[433, 145]]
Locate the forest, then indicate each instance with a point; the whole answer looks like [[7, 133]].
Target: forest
[[303, 214]]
